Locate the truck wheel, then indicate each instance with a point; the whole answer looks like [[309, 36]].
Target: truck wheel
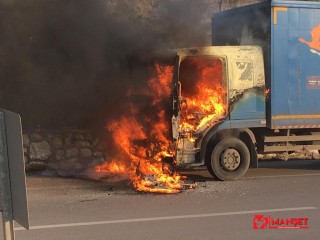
[[230, 159]]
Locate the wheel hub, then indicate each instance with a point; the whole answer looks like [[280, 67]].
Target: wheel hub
[[230, 159]]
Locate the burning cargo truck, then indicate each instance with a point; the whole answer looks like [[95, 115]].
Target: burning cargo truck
[[255, 91]]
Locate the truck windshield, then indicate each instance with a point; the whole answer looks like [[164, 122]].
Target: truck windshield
[[203, 92]]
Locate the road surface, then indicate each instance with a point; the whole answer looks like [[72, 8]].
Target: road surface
[[82, 210]]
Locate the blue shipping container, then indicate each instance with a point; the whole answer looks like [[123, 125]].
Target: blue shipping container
[[289, 33]]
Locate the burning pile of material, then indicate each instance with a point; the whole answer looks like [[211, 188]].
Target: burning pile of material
[[145, 141]]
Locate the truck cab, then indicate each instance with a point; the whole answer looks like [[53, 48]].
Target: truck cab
[[217, 88]]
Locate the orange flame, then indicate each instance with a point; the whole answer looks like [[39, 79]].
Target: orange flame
[[267, 91], [208, 101], [146, 147], [112, 167]]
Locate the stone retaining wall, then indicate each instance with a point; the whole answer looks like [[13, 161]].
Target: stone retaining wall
[[65, 152], [73, 153]]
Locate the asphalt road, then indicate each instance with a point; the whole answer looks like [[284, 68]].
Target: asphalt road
[[83, 210]]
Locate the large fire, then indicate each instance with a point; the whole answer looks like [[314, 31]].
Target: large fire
[[144, 140], [146, 146]]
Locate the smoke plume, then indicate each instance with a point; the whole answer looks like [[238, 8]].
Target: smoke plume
[[69, 63]]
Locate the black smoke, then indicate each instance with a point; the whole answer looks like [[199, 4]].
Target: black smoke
[[69, 63]]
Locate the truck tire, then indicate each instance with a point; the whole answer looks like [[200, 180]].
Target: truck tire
[[230, 159]]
